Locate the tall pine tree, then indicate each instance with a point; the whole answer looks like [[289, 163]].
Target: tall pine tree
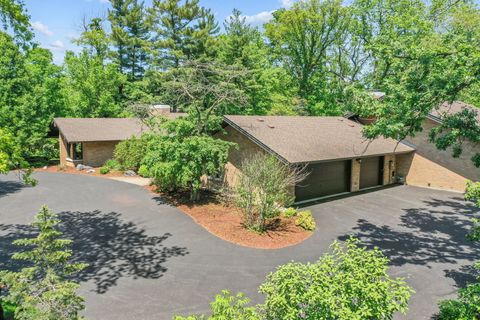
[[130, 35], [183, 30]]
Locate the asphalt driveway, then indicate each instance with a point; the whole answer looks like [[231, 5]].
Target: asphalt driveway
[[148, 260]]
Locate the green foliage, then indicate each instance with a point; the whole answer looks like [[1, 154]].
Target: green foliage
[[129, 153], [92, 87], [289, 212], [227, 306], [454, 130], [306, 220], [207, 90], [130, 35], [111, 164], [467, 307], [350, 282], [143, 171], [178, 160], [104, 170], [263, 186], [41, 290], [182, 30], [13, 15]]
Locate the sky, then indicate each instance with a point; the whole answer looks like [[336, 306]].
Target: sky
[[57, 22]]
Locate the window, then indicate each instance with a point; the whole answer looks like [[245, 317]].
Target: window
[[75, 151]]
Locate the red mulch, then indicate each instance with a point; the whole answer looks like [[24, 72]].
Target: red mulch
[[226, 223], [72, 170]]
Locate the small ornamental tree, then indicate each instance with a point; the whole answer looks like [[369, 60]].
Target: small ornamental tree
[[177, 160], [350, 282], [265, 185], [40, 291]]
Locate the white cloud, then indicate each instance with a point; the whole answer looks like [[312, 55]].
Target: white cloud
[[42, 28], [259, 18], [287, 3], [57, 45]]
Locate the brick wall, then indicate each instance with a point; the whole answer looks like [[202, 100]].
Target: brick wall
[[245, 149], [462, 166], [355, 176], [422, 172], [96, 153], [63, 152]]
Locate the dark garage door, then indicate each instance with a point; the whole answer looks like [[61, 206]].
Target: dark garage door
[[371, 172], [324, 179]]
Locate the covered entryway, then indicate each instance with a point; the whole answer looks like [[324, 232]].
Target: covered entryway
[[371, 172], [324, 179]]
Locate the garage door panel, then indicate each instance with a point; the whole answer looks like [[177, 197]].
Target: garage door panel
[[371, 172], [324, 179]]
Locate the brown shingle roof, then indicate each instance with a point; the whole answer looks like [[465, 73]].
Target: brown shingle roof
[[452, 108], [308, 139], [99, 129]]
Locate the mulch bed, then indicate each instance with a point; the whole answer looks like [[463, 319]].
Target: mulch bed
[[225, 222], [71, 170]]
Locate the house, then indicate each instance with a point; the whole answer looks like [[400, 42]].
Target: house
[[430, 167], [333, 151], [91, 141]]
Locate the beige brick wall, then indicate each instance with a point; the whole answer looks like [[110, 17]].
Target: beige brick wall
[[355, 176], [96, 153], [462, 166], [422, 172], [63, 152], [245, 148]]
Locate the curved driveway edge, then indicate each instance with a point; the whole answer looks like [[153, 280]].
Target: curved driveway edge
[[148, 260]]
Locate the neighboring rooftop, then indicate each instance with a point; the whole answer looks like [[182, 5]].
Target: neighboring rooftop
[[99, 129], [299, 139], [452, 108]]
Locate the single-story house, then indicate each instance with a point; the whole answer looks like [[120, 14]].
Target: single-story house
[[91, 141], [333, 151]]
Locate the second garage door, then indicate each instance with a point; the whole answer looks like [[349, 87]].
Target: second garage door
[[324, 179], [371, 172]]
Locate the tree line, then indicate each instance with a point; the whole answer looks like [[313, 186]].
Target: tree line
[[319, 57]]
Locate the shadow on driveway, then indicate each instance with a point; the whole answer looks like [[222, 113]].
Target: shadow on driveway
[[434, 233], [112, 248]]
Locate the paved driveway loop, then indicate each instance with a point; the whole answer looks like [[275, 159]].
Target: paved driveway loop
[[148, 260]]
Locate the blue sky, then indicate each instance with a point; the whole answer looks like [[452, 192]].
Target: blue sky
[[57, 22]]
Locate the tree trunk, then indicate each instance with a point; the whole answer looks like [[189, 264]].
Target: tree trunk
[[194, 195]]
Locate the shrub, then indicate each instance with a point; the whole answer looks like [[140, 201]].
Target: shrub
[[143, 171], [104, 170], [263, 187], [227, 306], [129, 153], [111, 164], [349, 282], [465, 308], [306, 220], [289, 212]]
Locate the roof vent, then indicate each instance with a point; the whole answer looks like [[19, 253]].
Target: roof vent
[[270, 126], [260, 120]]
